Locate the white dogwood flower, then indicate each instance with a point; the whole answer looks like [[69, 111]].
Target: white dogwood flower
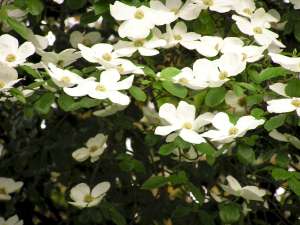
[[289, 63], [61, 59], [179, 35], [7, 187], [108, 87], [84, 197], [11, 53], [220, 6], [102, 53], [138, 21], [125, 66], [247, 192], [250, 53], [227, 131], [59, 1], [143, 46], [209, 46], [187, 78], [244, 8], [14, 220], [258, 26], [87, 39], [8, 77], [237, 103], [215, 73], [185, 11], [283, 105], [95, 147], [63, 78], [182, 120]]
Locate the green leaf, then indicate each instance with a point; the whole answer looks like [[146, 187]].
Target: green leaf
[[294, 185], [154, 182], [197, 193], [281, 174], [35, 7], [271, 72], [245, 154], [138, 93], [175, 89], [293, 88], [169, 72], [18, 95], [66, 103], [34, 73], [229, 213], [275, 122], [111, 213], [101, 7], [205, 148], [178, 178], [215, 96], [87, 102], [76, 4], [167, 149], [44, 103]]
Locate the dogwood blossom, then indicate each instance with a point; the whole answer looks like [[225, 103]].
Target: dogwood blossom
[[87, 39], [244, 8], [63, 78], [84, 197], [59, 1], [187, 78], [182, 119], [95, 147], [8, 77], [143, 46], [290, 63], [138, 21], [14, 220], [185, 11], [108, 87], [250, 53], [11, 53], [284, 105], [215, 73], [209, 46], [258, 26], [248, 192], [179, 35], [102, 53], [7, 187], [220, 6], [227, 131], [61, 59]]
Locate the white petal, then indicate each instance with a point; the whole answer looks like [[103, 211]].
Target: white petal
[[221, 121], [165, 130], [186, 112], [25, 50], [279, 88], [79, 192], [118, 97], [280, 106], [121, 11], [191, 136], [81, 154], [100, 189]]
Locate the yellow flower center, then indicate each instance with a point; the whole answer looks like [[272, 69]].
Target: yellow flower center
[[296, 103], [257, 30], [183, 81], [65, 80], [88, 198], [2, 84], [11, 58], [139, 14], [138, 43], [3, 191], [107, 57], [175, 10], [121, 69], [245, 56], [208, 2], [233, 131], [100, 88], [223, 75], [187, 125], [247, 11], [177, 37], [93, 148]]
